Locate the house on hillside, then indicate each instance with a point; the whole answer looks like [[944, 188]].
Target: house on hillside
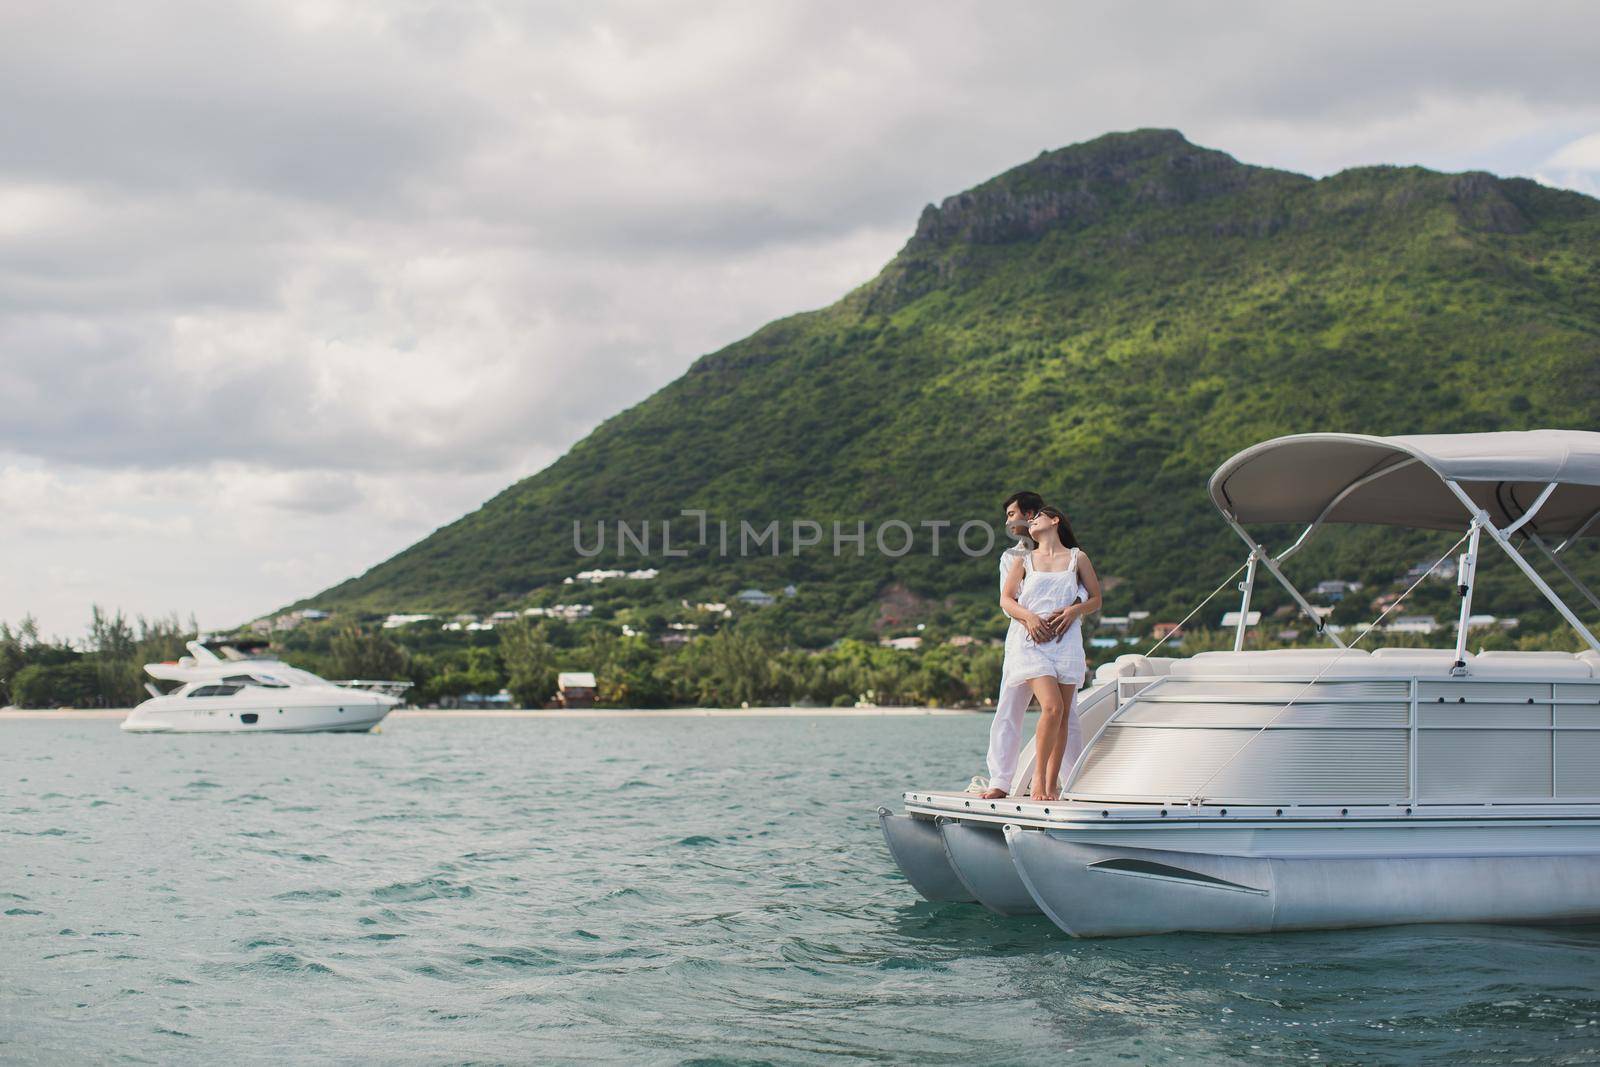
[[1336, 589], [755, 598], [288, 620], [1443, 571], [569, 612], [1385, 602], [904, 644], [576, 689], [1413, 624], [494, 701]]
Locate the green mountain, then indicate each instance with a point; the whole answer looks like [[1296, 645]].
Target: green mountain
[[1105, 324]]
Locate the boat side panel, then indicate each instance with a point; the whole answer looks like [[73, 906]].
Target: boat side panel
[[1349, 840], [1319, 894]]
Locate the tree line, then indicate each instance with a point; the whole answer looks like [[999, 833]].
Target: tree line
[[723, 669], [732, 666], [106, 672]]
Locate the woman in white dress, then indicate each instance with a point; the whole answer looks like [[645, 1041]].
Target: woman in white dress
[[1049, 659]]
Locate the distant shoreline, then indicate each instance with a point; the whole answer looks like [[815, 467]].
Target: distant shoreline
[[18, 714]]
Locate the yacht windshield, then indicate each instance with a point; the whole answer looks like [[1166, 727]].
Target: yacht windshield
[[296, 676], [265, 680]]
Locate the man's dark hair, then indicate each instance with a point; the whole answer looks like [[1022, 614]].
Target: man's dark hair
[[1025, 501]]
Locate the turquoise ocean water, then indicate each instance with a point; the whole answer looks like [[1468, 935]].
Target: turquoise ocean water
[[651, 890]]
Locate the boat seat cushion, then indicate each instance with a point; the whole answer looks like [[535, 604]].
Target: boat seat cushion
[[1421, 662], [1131, 664], [1276, 661], [1529, 665]]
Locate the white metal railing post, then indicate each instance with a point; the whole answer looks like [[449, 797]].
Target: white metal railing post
[[1246, 587], [1527, 569], [1413, 795], [1272, 569], [1466, 573]]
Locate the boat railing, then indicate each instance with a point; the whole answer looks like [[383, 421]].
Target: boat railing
[[1096, 704], [383, 687], [1349, 738]]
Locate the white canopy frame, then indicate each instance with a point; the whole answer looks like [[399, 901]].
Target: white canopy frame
[[1355, 478], [1503, 539], [1259, 554]]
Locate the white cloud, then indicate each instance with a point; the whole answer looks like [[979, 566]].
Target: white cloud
[[223, 541], [1576, 165], [341, 270]]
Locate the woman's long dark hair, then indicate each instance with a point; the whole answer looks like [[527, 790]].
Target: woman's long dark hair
[[1063, 527]]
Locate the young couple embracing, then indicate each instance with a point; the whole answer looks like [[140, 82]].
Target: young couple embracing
[[1047, 586]]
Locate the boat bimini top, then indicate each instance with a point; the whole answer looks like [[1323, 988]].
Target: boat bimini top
[[1540, 485]]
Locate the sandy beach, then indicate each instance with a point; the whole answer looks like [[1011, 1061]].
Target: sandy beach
[[9, 714]]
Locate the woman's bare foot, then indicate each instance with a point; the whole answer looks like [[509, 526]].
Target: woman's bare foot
[[992, 794]]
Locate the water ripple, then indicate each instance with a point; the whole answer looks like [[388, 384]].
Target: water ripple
[[661, 891]]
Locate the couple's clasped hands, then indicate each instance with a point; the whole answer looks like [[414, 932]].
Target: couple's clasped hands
[[1047, 628]]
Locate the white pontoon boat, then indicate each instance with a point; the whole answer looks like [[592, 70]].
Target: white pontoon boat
[[242, 694], [1304, 789]]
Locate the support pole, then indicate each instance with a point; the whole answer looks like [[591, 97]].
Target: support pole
[[1466, 577], [1246, 587], [1272, 568], [1538, 543], [1579, 532], [1526, 568]]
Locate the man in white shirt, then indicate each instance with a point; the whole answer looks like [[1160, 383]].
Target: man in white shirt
[[1005, 732]]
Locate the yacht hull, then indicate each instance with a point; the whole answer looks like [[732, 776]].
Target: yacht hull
[[1092, 889], [357, 716], [918, 847], [981, 861]]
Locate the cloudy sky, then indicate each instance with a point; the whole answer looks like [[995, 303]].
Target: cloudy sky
[[284, 286]]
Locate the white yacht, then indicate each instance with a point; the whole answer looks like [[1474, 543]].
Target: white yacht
[[236, 693], [1253, 791]]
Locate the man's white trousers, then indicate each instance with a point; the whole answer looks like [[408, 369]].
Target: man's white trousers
[[1005, 736]]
